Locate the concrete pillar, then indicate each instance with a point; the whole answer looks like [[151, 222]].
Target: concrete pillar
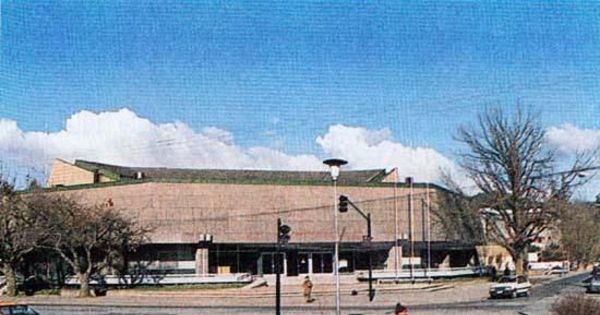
[[446, 262], [201, 260], [390, 262]]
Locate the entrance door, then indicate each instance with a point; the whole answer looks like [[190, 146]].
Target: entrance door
[[322, 263], [266, 263], [303, 263]]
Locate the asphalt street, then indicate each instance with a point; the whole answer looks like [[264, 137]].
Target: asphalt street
[[539, 299]]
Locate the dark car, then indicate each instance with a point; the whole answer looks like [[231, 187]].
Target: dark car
[[99, 286], [33, 284], [594, 284], [16, 309]]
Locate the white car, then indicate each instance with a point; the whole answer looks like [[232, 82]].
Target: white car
[[557, 270], [510, 286]]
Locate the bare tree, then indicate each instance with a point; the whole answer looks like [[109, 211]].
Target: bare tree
[[85, 236], [580, 236], [19, 233], [508, 160], [458, 215], [131, 267]]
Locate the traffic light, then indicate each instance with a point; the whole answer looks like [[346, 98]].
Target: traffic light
[[343, 204], [283, 233]]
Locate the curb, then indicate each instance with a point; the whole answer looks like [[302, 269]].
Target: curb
[[253, 294]]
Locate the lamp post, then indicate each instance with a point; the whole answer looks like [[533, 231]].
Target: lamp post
[[334, 169]]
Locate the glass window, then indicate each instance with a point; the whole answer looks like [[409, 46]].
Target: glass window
[[507, 280], [19, 310]]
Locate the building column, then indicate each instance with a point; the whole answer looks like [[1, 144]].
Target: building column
[[392, 262], [201, 260]]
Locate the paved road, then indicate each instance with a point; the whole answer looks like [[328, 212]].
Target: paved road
[[67, 310], [541, 297]]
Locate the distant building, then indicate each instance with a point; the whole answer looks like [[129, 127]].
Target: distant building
[[224, 221]]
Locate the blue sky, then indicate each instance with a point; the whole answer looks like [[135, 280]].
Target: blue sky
[[280, 74]]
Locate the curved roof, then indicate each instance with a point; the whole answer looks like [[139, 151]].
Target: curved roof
[[117, 172]]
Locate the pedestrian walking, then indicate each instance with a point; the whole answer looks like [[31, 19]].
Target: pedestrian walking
[[507, 270], [307, 286], [493, 272], [400, 309]]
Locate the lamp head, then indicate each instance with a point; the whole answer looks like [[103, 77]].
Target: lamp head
[[334, 166]]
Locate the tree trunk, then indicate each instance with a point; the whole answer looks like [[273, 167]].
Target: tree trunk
[[84, 284], [11, 279], [519, 260]]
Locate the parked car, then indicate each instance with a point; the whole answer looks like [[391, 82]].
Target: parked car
[[10, 308], [98, 286], [510, 286], [557, 270], [594, 285], [33, 284]]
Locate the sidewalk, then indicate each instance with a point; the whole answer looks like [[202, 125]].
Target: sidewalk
[[422, 298], [286, 290], [386, 297]]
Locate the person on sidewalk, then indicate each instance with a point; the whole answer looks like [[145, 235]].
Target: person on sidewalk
[[307, 286], [400, 309], [493, 273], [507, 270]]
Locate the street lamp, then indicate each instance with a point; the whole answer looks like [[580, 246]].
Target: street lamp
[[334, 169]]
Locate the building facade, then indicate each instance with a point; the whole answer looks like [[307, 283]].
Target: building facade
[[225, 221]]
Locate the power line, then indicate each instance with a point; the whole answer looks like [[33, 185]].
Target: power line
[[272, 212]]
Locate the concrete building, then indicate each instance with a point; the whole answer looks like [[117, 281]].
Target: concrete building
[[225, 221]]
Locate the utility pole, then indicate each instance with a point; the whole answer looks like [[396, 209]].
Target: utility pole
[[369, 240], [409, 181], [428, 231], [396, 259]]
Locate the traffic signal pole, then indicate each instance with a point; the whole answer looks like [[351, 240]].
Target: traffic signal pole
[[283, 237], [343, 207], [277, 275]]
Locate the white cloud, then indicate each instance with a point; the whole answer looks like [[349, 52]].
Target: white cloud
[[122, 137], [365, 148], [570, 139]]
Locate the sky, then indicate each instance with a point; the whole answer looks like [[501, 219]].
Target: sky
[[283, 85]]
